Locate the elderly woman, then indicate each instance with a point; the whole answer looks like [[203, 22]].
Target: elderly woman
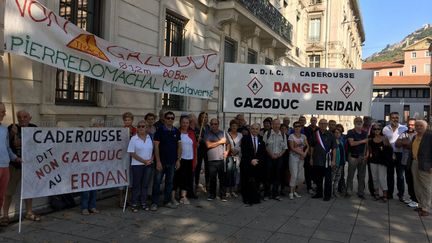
[[233, 161], [298, 150], [141, 150]]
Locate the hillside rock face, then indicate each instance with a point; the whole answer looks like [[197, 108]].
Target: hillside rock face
[[394, 52]]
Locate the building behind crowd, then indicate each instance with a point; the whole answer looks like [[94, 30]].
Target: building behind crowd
[[403, 85], [304, 33]]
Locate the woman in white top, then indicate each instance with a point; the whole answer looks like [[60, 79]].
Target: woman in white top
[[233, 159], [183, 177], [298, 150], [141, 150]]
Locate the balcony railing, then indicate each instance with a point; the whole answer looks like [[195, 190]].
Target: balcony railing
[[269, 15]]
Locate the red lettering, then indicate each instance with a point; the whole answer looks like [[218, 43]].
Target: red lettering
[[323, 88], [39, 173], [21, 9], [286, 88], [147, 62], [74, 180], [305, 88], [119, 154], [84, 178], [166, 58], [76, 158], [296, 87], [315, 88], [277, 87], [134, 55]]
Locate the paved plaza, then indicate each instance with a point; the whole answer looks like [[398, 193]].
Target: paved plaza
[[300, 220]]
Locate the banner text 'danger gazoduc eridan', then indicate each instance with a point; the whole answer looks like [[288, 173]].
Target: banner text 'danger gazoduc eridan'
[[38, 33], [292, 90]]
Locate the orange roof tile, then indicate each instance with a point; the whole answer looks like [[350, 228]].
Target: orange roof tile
[[380, 65], [402, 80]]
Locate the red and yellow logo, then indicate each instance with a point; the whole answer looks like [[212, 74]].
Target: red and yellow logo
[[87, 43]]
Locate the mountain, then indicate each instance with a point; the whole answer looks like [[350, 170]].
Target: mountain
[[394, 52]]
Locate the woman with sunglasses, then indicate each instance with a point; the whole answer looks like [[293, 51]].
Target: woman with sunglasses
[[141, 150], [298, 150], [379, 156]]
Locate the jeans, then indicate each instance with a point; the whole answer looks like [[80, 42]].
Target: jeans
[[410, 183], [88, 200], [167, 170], [216, 171], [183, 176], [400, 181], [140, 183]]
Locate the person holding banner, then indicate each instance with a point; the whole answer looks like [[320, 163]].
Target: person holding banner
[[323, 159], [128, 119], [141, 150], [6, 155], [167, 151], [24, 119], [216, 141], [88, 198], [202, 152]]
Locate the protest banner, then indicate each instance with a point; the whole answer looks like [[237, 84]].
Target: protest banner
[[38, 33], [65, 160], [291, 90]]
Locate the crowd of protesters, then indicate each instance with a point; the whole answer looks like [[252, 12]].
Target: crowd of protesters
[[255, 162]]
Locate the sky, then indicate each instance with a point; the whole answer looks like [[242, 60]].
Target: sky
[[389, 21]]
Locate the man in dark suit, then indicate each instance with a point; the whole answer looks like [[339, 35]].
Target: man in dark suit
[[422, 167], [252, 162]]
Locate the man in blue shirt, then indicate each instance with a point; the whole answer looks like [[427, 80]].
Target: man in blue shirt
[[167, 151]]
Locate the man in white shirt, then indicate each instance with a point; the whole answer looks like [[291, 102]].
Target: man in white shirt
[[392, 132]]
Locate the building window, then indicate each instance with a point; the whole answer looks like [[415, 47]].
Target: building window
[[406, 113], [268, 61], [386, 113], [427, 54], [174, 46], [315, 30], [252, 57], [413, 54], [413, 69], [390, 73], [72, 88], [401, 73], [314, 61], [413, 93], [313, 2], [376, 73], [426, 113], [230, 50], [426, 93], [427, 68]]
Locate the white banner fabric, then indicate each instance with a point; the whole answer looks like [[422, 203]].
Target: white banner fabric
[[38, 33], [65, 160], [255, 88]]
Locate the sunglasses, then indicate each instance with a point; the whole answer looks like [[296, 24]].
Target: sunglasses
[[142, 126], [376, 129], [169, 118]]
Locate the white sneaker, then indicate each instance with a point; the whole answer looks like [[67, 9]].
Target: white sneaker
[[407, 201], [291, 196], [297, 195], [184, 201], [413, 204], [175, 202]]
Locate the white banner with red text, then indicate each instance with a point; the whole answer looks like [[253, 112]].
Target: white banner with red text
[[255, 88], [38, 33], [65, 160]]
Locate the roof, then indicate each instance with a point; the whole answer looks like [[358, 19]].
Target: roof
[[422, 44], [381, 65], [423, 80]]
